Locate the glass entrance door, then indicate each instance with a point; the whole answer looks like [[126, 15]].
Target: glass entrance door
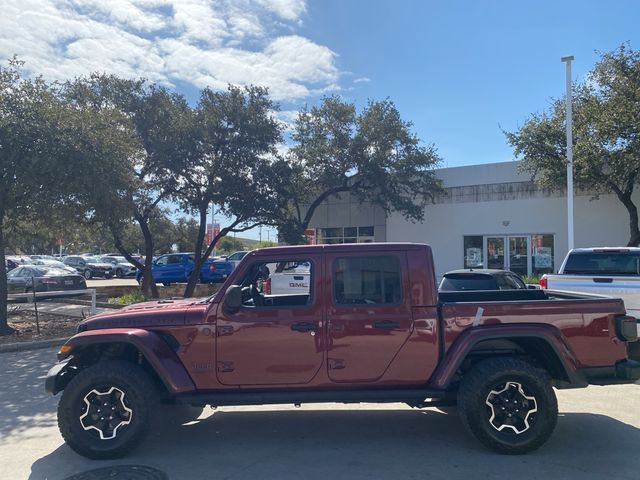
[[518, 255], [495, 253]]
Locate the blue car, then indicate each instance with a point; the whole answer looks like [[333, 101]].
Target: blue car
[[176, 268]]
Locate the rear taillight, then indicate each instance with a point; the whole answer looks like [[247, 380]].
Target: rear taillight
[[626, 328], [212, 267], [543, 281], [267, 286]]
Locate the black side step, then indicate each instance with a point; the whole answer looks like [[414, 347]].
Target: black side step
[[253, 397]]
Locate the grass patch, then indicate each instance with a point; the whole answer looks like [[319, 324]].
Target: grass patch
[[128, 298]]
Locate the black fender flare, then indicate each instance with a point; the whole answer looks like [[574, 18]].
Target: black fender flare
[[467, 340], [156, 351]]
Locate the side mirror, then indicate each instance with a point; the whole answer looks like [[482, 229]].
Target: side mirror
[[233, 298]]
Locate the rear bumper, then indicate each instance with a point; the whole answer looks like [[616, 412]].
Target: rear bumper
[[628, 369]]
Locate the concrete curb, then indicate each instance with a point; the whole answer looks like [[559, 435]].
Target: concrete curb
[[25, 346]]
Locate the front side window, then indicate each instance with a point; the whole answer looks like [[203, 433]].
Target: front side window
[[374, 280], [162, 260], [279, 283]]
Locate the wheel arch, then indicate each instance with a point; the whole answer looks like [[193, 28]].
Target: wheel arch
[[148, 349], [541, 345]]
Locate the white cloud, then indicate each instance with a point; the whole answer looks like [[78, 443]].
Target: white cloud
[[362, 80], [204, 43]]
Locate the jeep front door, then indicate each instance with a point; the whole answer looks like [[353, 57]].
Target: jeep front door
[[272, 339]]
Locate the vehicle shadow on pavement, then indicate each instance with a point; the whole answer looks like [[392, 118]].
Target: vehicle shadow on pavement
[[24, 403], [354, 444]]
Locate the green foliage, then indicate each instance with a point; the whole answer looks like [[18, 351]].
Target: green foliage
[[230, 245], [533, 279], [128, 298], [227, 150], [606, 134], [372, 155]]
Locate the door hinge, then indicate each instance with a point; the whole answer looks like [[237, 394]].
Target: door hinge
[[225, 367], [336, 364]]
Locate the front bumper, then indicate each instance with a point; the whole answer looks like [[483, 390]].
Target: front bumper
[[54, 383]]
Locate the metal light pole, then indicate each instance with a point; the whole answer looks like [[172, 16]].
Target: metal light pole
[[567, 61]]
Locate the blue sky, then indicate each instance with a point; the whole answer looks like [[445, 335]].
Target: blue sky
[[460, 71]]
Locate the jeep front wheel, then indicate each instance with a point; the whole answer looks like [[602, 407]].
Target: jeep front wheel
[[508, 404], [106, 409]]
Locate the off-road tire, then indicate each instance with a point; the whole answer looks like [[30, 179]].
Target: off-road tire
[[141, 396], [492, 374], [87, 274]]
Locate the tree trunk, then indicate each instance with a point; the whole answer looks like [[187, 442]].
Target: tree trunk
[[198, 259], [149, 288], [5, 329], [634, 232]]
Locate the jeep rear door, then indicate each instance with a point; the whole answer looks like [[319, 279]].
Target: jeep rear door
[[368, 312]]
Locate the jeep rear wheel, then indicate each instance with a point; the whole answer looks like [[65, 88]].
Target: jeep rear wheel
[[106, 409], [508, 404]]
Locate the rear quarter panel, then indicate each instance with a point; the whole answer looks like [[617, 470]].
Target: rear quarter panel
[[586, 326]]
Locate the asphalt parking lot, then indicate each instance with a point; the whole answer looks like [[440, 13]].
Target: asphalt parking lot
[[597, 437]]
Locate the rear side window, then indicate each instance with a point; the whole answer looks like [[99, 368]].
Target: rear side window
[[467, 281], [603, 263], [372, 280]]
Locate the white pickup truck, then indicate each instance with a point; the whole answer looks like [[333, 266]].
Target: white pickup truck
[[287, 278], [614, 272]]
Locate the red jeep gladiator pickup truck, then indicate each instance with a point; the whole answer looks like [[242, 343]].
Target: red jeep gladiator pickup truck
[[371, 328]]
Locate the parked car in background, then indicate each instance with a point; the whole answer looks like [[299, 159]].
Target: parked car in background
[[45, 278], [89, 267], [52, 264], [42, 257], [176, 268], [235, 257], [614, 272], [121, 266], [481, 279]]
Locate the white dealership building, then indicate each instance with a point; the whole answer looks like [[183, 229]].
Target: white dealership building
[[490, 216]]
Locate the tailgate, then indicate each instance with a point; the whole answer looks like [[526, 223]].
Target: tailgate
[[625, 287]]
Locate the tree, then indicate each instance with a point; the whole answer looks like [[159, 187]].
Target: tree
[[230, 245], [606, 135], [373, 155], [226, 154], [44, 141], [155, 118]]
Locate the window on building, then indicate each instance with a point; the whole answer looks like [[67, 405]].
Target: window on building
[[473, 257], [374, 280], [345, 235], [542, 254], [531, 254]]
